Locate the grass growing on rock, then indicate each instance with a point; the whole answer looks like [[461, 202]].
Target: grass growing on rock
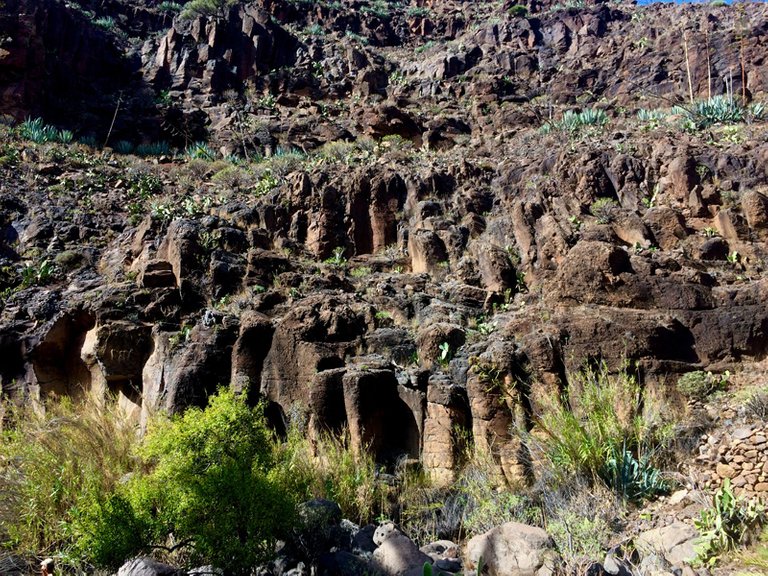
[[56, 463], [598, 431]]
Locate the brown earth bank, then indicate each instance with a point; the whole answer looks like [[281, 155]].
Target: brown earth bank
[[395, 226]]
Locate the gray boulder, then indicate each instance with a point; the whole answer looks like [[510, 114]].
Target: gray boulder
[[513, 549], [397, 555], [674, 542], [147, 567]]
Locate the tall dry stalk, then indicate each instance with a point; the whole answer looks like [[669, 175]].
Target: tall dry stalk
[[688, 66], [709, 62]]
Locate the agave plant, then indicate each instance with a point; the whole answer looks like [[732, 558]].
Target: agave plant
[[592, 117], [65, 136], [153, 149], [716, 110], [200, 150], [123, 147]]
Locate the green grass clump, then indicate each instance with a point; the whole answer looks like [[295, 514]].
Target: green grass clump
[[55, 464], [330, 468], [604, 209], [598, 431]]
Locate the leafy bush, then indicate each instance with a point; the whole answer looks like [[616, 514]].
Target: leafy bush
[[729, 522], [107, 530], [207, 8], [54, 465], [698, 384], [211, 484]]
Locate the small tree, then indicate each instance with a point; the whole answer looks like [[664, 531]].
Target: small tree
[[211, 486]]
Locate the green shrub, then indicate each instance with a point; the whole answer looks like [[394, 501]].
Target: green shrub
[[337, 259], [107, 530], [211, 484], [604, 209], [207, 8], [697, 385], [266, 183], [518, 11]]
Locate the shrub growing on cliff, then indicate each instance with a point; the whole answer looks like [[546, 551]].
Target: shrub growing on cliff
[[208, 8], [212, 485], [697, 385]]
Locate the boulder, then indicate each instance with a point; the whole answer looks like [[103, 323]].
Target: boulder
[[427, 251], [675, 542], [397, 555], [147, 567], [513, 549]]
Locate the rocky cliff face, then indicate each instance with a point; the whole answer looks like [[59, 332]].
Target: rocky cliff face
[[414, 259]]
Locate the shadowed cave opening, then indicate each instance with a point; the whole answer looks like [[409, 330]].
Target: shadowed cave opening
[[56, 360], [388, 425]]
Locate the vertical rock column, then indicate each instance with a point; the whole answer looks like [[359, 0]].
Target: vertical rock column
[[446, 430]]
